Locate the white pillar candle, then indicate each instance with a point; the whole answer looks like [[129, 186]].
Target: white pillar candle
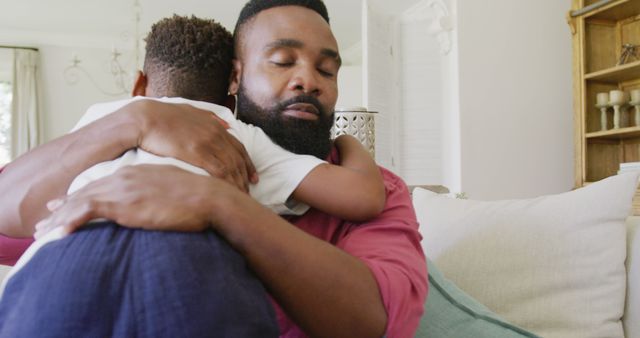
[[616, 97], [603, 99], [635, 95]]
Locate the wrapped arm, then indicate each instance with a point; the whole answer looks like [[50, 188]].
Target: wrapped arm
[[390, 247], [352, 190], [44, 173], [333, 279], [176, 130]]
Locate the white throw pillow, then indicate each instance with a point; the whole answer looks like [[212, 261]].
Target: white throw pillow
[[554, 265], [631, 318]]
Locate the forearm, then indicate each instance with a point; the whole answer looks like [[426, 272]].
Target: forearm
[[342, 192], [354, 190], [326, 292], [355, 157], [46, 172]]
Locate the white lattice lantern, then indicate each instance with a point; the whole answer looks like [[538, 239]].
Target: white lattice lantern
[[357, 122]]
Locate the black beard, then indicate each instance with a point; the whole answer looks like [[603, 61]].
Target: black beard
[[295, 135]]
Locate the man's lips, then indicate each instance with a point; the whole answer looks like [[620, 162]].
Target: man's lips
[[303, 111]]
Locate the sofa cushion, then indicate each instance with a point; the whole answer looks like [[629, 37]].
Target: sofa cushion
[[554, 265], [449, 312], [631, 318]]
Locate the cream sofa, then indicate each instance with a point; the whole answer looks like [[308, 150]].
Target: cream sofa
[[631, 317], [4, 269], [559, 266], [460, 234]]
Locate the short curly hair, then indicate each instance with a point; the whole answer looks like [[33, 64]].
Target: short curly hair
[[189, 57], [254, 7]]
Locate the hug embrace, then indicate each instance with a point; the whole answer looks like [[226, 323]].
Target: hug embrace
[[165, 216]]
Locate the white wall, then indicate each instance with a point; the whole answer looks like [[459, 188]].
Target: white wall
[[62, 103], [350, 86], [515, 90], [65, 103], [493, 117]]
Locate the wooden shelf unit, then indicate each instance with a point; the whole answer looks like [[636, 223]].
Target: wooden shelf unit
[[598, 37], [615, 134], [616, 74], [615, 11]]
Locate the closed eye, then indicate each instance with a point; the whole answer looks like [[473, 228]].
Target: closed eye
[[325, 73], [282, 64]]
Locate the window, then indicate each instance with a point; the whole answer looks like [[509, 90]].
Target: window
[[5, 122], [6, 94]]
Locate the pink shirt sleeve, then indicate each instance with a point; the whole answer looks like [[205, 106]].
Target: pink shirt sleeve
[[390, 246], [12, 248]]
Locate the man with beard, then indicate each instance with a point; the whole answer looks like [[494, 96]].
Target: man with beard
[[194, 70], [328, 277]]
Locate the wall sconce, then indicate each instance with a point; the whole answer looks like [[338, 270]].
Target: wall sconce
[[122, 79]]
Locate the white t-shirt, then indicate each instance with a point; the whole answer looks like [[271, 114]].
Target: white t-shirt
[[280, 171]]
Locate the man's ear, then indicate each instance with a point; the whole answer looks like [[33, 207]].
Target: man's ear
[[230, 102], [236, 72], [140, 85]]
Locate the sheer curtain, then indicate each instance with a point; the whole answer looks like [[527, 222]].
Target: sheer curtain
[[26, 119]]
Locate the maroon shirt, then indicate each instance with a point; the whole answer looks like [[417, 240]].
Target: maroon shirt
[[12, 248]]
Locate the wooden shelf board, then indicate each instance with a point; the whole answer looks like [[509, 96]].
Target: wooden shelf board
[[615, 134], [616, 74], [616, 11]]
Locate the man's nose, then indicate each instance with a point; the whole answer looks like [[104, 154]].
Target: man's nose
[[305, 80]]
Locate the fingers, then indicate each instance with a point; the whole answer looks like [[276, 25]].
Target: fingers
[[216, 168], [70, 216], [202, 140], [247, 168], [74, 210], [224, 162], [240, 180], [229, 152], [55, 204], [42, 228], [240, 168], [47, 224]]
